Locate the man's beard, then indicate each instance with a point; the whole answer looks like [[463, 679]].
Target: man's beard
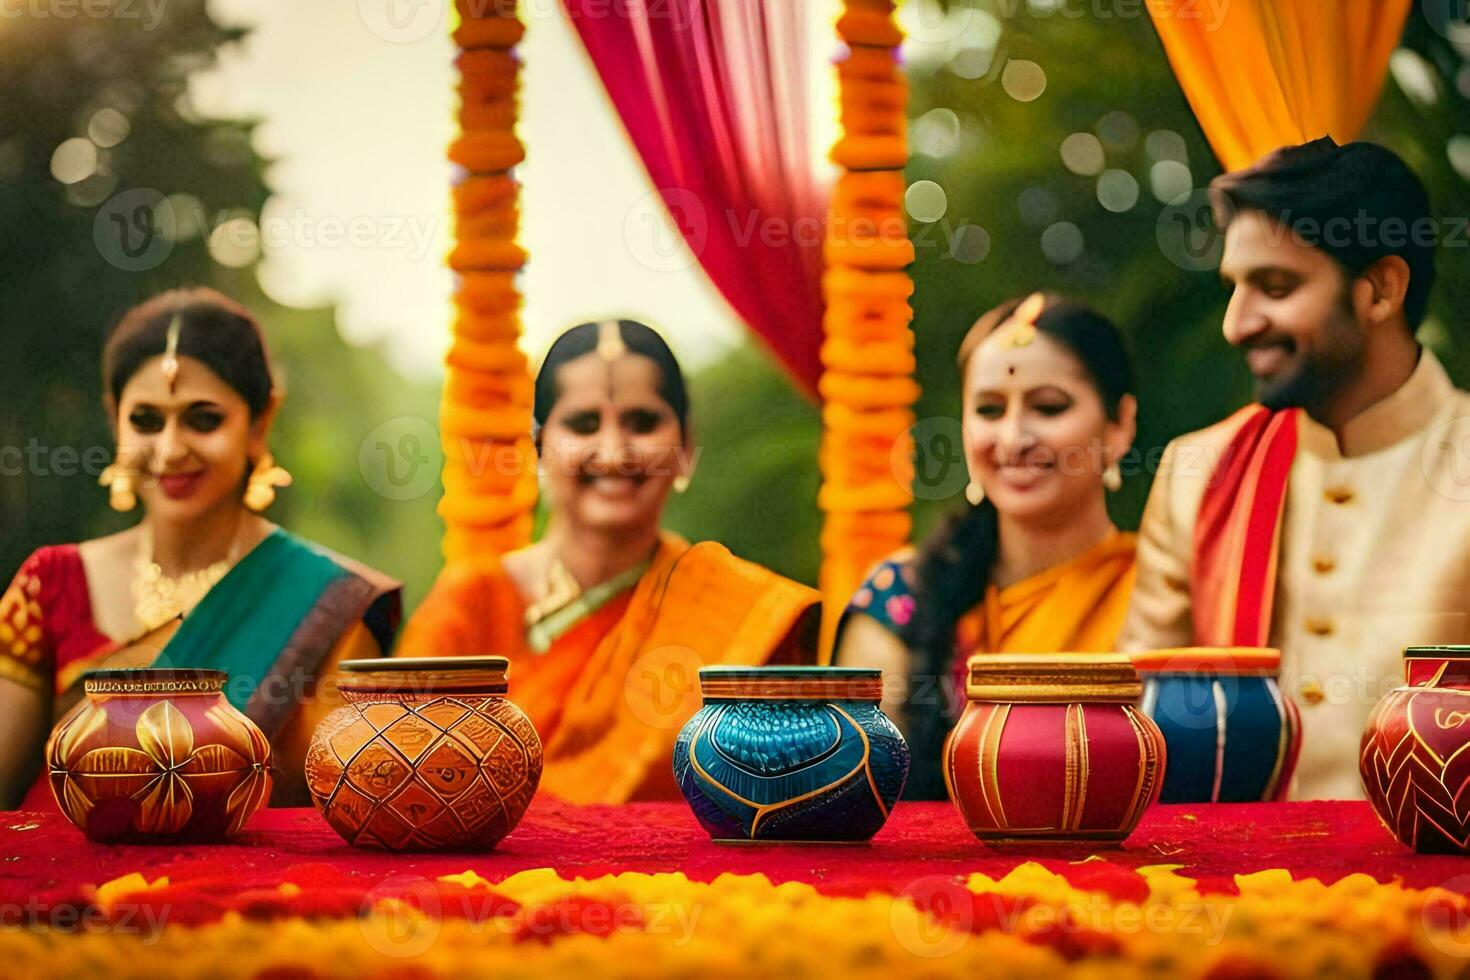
[[1319, 375]]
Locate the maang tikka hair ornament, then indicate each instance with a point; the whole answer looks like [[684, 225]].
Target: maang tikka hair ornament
[[170, 363], [610, 344], [1020, 329]]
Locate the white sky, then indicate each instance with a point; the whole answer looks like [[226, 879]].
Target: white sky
[[358, 110]]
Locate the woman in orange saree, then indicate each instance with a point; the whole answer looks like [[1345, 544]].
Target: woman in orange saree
[[608, 618], [1033, 564]]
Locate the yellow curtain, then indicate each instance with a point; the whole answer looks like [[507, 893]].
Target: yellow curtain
[[867, 383], [485, 411], [1262, 74]]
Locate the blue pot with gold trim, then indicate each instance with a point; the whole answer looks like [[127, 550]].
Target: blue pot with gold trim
[[1232, 735], [791, 754]]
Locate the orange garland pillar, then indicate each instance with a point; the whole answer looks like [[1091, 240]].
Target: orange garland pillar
[[867, 384], [485, 412]]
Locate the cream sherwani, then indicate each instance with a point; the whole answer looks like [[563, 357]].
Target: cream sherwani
[[1375, 556]]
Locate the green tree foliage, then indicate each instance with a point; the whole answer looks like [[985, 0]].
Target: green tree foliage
[[119, 82], [755, 482]]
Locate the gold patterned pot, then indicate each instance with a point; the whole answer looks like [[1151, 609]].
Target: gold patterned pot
[[1051, 749], [158, 755], [427, 754]]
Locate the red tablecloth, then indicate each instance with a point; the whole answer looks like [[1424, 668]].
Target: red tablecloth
[[43, 855]]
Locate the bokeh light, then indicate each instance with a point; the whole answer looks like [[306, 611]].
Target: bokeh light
[[1165, 144], [925, 201], [1119, 131], [74, 160], [1023, 81], [1083, 153], [1170, 181], [973, 37], [936, 133], [972, 63], [969, 244], [1458, 150], [108, 127], [1414, 76], [235, 242], [93, 190], [1062, 243], [1117, 190]]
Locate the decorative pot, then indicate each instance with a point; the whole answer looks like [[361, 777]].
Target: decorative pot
[[427, 754], [1051, 749], [1233, 737], [1414, 769], [788, 754], [158, 755]]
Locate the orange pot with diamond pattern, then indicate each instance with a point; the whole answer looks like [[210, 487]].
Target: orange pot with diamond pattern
[[157, 755], [427, 754]]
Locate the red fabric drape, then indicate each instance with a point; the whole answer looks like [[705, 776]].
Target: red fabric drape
[[713, 95]]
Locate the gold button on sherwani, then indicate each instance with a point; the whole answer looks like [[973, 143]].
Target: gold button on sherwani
[[1319, 627]]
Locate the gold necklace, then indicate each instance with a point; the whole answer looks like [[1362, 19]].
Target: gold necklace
[[160, 598], [561, 589]]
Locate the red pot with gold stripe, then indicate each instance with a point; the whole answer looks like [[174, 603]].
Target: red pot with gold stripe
[[1052, 749]]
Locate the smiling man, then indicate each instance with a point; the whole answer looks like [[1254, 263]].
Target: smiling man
[[1331, 519]]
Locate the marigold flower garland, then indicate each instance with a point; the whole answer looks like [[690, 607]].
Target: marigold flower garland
[[1031, 923], [867, 384], [485, 410]]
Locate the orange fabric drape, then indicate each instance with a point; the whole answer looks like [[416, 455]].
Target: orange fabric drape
[[485, 409], [867, 384], [1262, 74]]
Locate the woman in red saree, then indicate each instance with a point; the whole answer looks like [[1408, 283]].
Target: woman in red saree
[[203, 580], [607, 618]]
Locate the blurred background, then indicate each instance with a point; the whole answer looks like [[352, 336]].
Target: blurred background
[[292, 155]]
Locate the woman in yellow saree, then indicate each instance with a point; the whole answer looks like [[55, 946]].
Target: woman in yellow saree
[[607, 618], [203, 580], [1033, 564]]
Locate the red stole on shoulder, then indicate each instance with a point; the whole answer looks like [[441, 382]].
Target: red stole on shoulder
[[1232, 578]]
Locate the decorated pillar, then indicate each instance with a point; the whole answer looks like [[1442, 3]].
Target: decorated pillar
[[485, 411], [867, 384]]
